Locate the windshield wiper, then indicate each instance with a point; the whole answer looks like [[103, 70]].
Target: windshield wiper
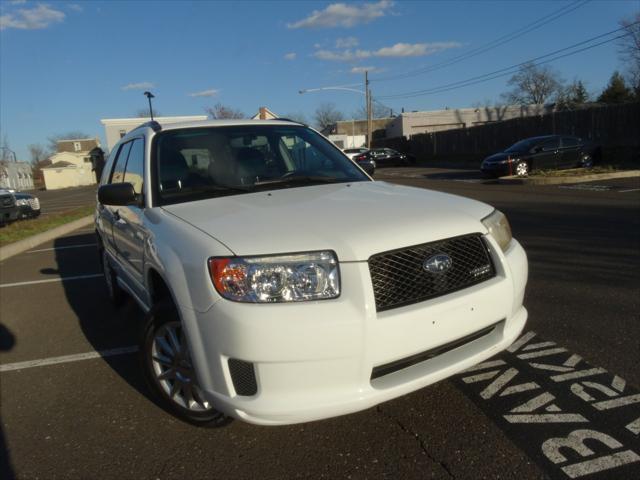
[[299, 179]]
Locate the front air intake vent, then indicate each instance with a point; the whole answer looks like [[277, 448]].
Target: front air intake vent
[[243, 377]]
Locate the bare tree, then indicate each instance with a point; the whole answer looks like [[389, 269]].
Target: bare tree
[[533, 85], [629, 49], [52, 146], [220, 111], [297, 117], [572, 96], [326, 115], [144, 113], [379, 111], [38, 153]]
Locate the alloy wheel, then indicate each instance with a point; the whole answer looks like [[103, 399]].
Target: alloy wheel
[[173, 369], [522, 169]]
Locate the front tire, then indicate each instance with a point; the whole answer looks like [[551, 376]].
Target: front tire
[[522, 169], [169, 371], [586, 161]]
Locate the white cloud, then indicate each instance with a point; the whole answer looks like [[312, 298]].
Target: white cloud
[[31, 18], [138, 86], [343, 15], [75, 7], [290, 56], [348, 42], [361, 70], [205, 93], [415, 49], [397, 50], [317, 45]]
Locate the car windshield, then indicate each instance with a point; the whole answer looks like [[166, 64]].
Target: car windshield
[[196, 163], [521, 146]]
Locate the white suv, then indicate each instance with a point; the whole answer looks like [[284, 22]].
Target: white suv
[[283, 285]]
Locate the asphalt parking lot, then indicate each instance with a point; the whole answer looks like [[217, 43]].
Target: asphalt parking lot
[[59, 201], [563, 402]]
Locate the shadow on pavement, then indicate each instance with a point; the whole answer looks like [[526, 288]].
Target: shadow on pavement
[[7, 341], [104, 326]]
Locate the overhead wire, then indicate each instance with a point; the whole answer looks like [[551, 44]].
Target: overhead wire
[[491, 45], [513, 68]]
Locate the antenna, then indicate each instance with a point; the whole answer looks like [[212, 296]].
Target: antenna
[[149, 96]]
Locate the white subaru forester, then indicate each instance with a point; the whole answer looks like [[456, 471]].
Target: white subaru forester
[[282, 284]]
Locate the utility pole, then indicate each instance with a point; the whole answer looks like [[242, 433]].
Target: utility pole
[[368, 100]]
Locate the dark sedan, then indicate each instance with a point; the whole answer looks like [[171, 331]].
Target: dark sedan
[[8, 208], [385, 157], [28, 205], [545, 152]]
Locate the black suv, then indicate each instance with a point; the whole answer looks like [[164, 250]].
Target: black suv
[[8, 208], [545, 152], [385, 156]]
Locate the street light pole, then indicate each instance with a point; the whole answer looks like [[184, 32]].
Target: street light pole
[[368, 105]]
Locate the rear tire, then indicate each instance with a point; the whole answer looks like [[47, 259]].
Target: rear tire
[[586, 161], [168, 369], [114, 292]]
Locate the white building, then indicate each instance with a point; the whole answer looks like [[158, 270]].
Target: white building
[[16, 175], [71, 166], [412, 123], [116, 128]]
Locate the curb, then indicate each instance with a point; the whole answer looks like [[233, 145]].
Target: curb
[[513, 180], [30, 242]]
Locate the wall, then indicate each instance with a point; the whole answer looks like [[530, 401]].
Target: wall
[[359, 127], [413, 123], [16, 175], [114, 126], [615, 127], [348, 141], [65, 177]]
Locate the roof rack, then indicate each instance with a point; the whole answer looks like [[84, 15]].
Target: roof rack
[[155, 126], [289, 120]]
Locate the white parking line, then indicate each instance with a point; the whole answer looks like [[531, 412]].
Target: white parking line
[[49, 280], [630, 190], [68, 358], [63, 248]]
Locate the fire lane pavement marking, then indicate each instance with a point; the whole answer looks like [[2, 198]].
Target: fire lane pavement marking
[[573, 419], [42, 362], [50, 280]]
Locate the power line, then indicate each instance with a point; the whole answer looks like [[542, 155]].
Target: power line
[[493, 44], [513, 68]]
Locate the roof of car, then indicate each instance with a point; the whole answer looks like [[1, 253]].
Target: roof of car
[[225, 123]]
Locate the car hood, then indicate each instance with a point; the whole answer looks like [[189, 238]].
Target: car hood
[[355, 220]]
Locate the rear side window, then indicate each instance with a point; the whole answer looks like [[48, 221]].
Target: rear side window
[[551, 144], [121, 163], [135, 166]]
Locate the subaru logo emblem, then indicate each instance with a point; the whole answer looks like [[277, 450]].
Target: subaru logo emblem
[[438, 263]]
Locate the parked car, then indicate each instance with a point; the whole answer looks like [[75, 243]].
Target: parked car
[[8, 208], [386, 157], [354, 152], [28, 205], [271, 292], [545, 152]]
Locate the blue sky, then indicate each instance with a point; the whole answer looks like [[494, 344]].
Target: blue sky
[[66, 65]]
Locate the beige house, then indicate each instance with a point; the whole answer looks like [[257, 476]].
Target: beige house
[[71, 166]]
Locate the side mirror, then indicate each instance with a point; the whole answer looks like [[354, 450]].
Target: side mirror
[[118, 194]]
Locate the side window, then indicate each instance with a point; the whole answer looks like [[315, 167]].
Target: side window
[[569, 142], [551, 144], [134, 172], [121, 163]]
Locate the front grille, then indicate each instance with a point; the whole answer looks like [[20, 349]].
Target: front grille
[[243, 377], [6, 201], [399, 278]]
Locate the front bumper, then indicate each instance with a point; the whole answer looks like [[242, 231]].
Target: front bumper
[[498, 169], [315, 360], [26, 211]]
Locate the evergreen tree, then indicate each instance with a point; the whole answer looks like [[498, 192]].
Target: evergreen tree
[[616, 91]]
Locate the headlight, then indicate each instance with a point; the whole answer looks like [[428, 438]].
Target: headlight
[[23, 202], [282, 278], [499, 228]]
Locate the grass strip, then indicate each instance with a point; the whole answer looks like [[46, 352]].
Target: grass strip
[[22, 229]]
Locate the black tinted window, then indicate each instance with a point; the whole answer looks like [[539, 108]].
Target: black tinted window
[[135, 165], [568, 142], [121, 163], [551, 144]]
